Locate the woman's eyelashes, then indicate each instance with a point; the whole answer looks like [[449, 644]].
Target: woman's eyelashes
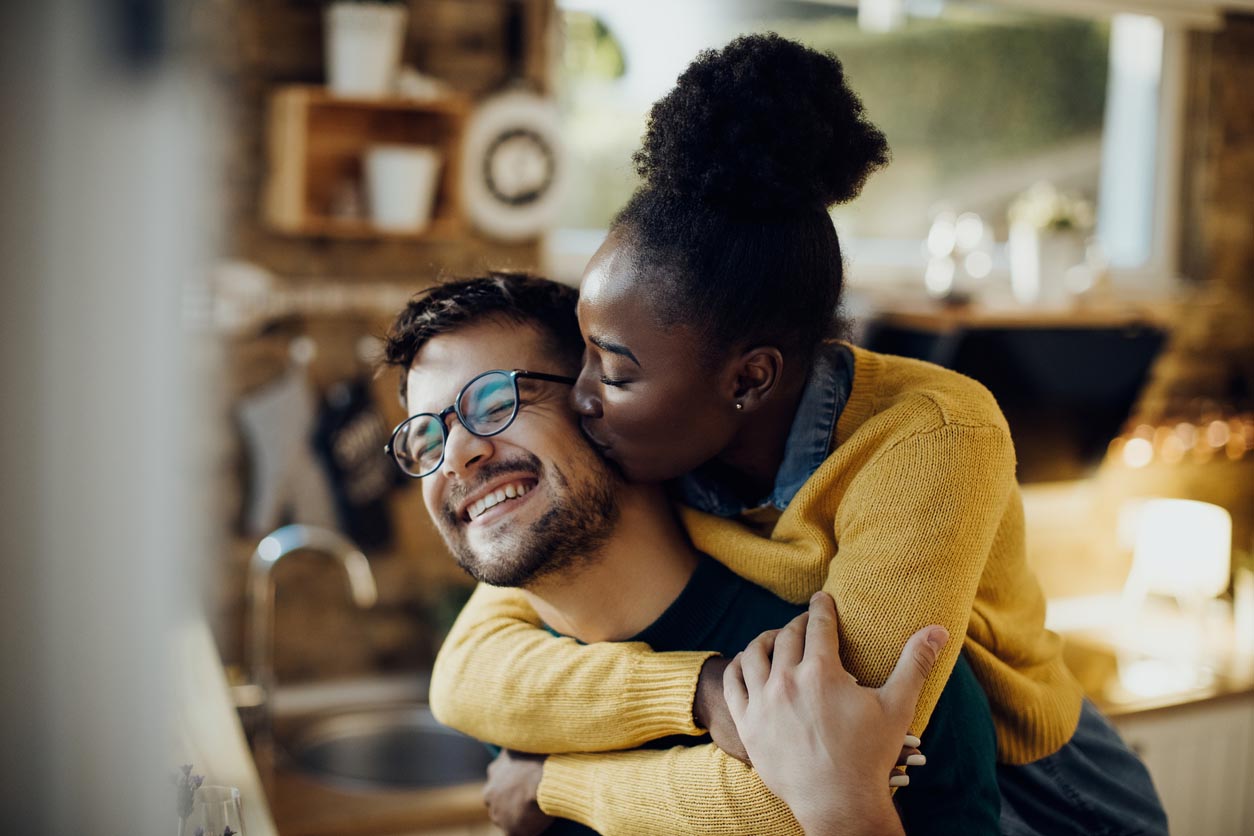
[[617, 383]]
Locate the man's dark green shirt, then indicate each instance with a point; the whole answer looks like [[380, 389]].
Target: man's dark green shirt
[[954, 793]]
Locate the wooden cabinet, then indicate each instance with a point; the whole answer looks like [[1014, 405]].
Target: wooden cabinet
[[317, 143], [1201, 757]]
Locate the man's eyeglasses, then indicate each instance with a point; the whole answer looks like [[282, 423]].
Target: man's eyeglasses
[[486, 406]]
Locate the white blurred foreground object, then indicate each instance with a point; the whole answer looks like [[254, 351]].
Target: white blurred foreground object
[[401, 182], [363, 47], [108, 214]]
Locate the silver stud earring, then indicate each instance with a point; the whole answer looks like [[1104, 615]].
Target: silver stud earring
[[739, 406]]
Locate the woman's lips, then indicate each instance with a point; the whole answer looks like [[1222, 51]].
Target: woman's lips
[[591, 436]]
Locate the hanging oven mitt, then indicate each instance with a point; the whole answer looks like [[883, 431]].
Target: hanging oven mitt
[[286, 482]]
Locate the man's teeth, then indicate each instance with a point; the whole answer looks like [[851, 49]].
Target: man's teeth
[[510, 491]]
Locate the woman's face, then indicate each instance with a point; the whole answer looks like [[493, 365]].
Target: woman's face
[[647, 397]]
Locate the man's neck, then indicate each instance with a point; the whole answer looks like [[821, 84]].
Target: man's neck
[[641, 570]]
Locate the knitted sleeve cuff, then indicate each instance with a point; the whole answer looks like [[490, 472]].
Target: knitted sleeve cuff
[[567, 789], [658, 699]]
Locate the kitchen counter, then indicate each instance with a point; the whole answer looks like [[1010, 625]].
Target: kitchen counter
[[1156, 660], [304, 806]]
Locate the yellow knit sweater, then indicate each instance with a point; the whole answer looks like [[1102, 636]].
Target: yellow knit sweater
[[914, 519]]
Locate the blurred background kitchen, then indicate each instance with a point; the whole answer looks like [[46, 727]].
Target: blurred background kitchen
[[212, 209]]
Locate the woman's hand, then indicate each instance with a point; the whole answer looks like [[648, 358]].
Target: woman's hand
[[709, 709], [511, 792], [817, 739]]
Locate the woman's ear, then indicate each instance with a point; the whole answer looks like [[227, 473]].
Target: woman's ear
[[758, 372]]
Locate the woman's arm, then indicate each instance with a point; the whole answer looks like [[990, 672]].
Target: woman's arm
[[690, 790], [687, 789], [917, 528], [501, 678], [912, 532]]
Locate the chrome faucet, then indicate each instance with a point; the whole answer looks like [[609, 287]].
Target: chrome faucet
[[260, 599]]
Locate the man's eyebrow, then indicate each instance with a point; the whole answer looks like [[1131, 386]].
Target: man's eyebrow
[[614, 348]]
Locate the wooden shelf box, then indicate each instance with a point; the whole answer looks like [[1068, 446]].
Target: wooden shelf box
[[316, 146]]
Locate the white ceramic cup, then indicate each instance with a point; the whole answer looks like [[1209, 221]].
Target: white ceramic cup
[[401, 183], [363, 47]]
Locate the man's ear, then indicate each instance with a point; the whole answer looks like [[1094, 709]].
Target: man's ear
[[758, 371]]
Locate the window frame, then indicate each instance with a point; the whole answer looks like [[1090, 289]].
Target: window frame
[[899, 264]]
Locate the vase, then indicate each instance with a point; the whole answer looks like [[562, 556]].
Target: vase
[[1039, 261], [215, 812], [363, 47]]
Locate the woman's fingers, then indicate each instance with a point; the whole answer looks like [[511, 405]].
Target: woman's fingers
[[910, 756], [755, 662], [734, 690]]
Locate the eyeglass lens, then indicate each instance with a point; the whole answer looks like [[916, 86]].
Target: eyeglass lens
[[486, 405], [488, 402]]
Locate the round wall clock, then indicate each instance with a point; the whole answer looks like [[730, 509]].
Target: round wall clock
[[512, 166]]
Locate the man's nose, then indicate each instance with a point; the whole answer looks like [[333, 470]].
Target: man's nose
[[583, 394], [464, 451]]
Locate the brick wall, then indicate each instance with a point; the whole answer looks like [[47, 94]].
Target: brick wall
[[255, 45], [1211, 355]]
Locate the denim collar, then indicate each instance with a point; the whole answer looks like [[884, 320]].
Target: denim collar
[[809, 439]]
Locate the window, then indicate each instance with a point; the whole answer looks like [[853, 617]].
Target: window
[[978, 103]]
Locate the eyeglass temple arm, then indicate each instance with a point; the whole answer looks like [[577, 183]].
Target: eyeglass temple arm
[[555, 378]]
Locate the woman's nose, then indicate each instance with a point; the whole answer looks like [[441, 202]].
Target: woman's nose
[[583, 394], [463, 451]]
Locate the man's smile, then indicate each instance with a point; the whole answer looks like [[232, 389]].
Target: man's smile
[[496, 499]]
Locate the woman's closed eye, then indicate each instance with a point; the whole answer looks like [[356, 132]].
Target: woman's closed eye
[[616, 382]]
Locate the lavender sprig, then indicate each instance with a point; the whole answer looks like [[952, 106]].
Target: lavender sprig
[[185, 785]]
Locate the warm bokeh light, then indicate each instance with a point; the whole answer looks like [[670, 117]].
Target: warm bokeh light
[[1183, 547], [1138, 452]]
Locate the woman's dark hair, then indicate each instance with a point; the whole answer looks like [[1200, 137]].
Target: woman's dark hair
[[741, 163], [514, 297]]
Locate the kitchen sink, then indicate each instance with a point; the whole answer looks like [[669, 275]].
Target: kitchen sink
[[393, 747]]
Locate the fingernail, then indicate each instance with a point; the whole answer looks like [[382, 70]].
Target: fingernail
[[816, 597], [899, 781], [916, 760], [937, 637], [913, 742]]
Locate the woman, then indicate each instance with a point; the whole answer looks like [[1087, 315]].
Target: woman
[[802, 463]]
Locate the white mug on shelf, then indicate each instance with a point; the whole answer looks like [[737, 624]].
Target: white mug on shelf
[[363, 47], [401, 184]]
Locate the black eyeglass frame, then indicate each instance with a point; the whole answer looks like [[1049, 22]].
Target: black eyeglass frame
[[441, 417]]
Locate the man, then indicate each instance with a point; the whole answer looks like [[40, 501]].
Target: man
[[523, 501]]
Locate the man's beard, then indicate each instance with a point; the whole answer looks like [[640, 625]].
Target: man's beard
[[570, 534]]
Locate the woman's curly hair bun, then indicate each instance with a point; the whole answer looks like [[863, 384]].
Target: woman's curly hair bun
[[763, 124]]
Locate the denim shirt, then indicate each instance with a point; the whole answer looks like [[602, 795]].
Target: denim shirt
[[808, 445]]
